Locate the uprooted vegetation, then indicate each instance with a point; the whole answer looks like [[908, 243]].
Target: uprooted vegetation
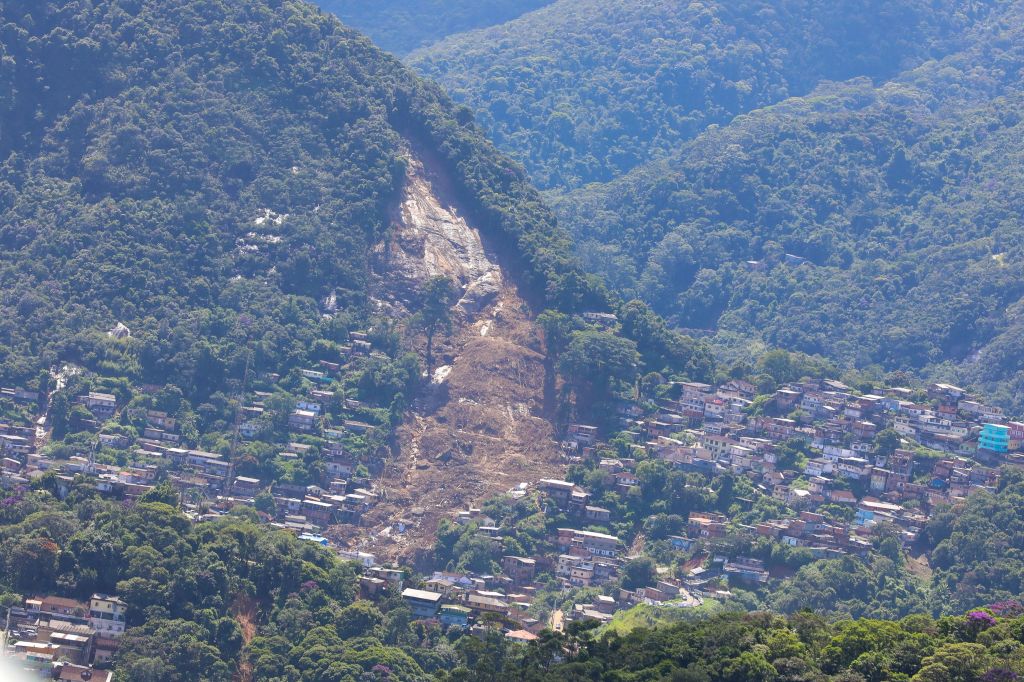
[[481, 427]]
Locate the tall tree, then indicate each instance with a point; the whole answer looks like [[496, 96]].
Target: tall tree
[[435, 314], [594, 361]]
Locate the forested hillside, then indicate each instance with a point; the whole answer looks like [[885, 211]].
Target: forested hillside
[[870, 219], [883, 221], [184, 189], [208, 174], [401, 26], [191, 192], [977, 547], [190, 588], [303, 379], [185, 584], [981, 646], [193, 590], [585, 90]]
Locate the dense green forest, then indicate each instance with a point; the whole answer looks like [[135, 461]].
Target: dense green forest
[[982, 646], [187, 586], [831, 179], [401, 26], [585, 90], [207, 174], [900, 204], [139, 165], [977, 548]]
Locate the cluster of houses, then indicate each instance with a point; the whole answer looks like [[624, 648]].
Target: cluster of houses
[[464, 600], [479, 603], [948, 446], [307, 414], [16, 442], [19, 394], [305, 510], [582, 558], [589, 558], [709, 429], [157, 452], [210, 485], [459, 599], [65, 639]]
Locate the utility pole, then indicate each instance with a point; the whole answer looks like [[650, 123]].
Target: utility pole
[[244, 321], [7, 629], [241, 399]]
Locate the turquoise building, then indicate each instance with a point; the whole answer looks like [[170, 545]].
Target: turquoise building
[[994, 437]]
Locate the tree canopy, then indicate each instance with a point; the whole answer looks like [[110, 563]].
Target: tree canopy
[[209, 175], [401, 26], [585, 90]]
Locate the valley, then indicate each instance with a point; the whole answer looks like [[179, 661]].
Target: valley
[[754, 191], [512, 340]]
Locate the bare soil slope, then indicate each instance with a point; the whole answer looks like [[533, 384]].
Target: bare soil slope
[[481, 428]]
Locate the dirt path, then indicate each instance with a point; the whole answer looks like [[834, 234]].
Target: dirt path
[[637, 548], [556, 623], [245, 612], [60, 380], [919, 567]]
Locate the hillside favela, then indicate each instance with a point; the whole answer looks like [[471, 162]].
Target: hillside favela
[[512, 340]]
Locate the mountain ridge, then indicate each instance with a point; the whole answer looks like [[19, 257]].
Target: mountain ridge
[[401, 26], [908, 171], [584, 91]]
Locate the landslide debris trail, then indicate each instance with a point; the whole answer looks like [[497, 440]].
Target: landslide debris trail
[[480, 429]]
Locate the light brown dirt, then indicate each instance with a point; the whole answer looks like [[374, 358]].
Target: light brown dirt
[[478, 434], [481, 428], [919, 567], [245, 611]]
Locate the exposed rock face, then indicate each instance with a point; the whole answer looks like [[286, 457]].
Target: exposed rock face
[[481, 427], [481, 293], [429, 237]]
